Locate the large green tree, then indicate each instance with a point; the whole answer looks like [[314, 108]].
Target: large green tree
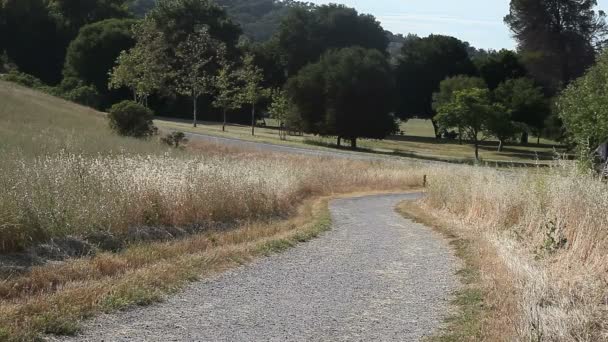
[[558, 38], [423, 64], [496, 67], [353, 95], [76, 13], [583, 108], [91, 56], [305, 34], [527, 103]]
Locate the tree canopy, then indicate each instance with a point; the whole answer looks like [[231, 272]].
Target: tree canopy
[[94, 51], [558, 38], [496, 67], [423, 64], [349, 93], [305, 34]]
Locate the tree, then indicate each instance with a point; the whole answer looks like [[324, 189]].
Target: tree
[[423, 64], [36, 43], [93, 53], [583, 108], [279, 110], [497, 67], [500, 125], [349, 93], [305, 34], [252, 91], [77, 13], [144, 68], [451, 85], [228, 90], [527, 103], [196, 64], [470, 111], [178, 19], [558, 38], [131, 119]]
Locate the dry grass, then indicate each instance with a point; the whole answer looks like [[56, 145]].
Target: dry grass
[[542, 241]]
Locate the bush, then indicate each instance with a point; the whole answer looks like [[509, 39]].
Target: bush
[[85, 95], [23, 79], [175, 139], [131, 119]]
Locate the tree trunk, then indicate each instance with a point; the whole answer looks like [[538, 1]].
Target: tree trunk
[[224, 124], [476, 150], [436, 128], [339, 141], [524, 138], [253, 119], [353, 143], [538, 140], [194, 101], [500, 143]]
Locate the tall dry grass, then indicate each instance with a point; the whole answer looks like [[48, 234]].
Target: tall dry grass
[[72, 194], [549, 232]]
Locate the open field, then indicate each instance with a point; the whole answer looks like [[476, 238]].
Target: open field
[[417, 142]]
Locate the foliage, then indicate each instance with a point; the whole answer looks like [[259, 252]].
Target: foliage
[[450, 85], [470, 110], [558, 38], [349, 93], [178, 19], [252, 91], [583, 107], [500, 125], [423, 64], [279, 110], [497, 67], [525, 100], [131, 119], [92, 54], [34, 32], [86, 95], [305, 34], [228, 88], [175, 139], [23, 79], [142, 69], [75, 14]]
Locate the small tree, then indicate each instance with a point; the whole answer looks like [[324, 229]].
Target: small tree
[[470, 110], [175, 139], [228, 90], [196, 64], [500, 125], [131, 119], [143, 68], [279, 110], [252, 91]]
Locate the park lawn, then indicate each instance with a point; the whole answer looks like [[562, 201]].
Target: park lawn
[[417, 142]]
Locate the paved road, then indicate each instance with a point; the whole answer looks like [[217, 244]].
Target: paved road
[[374, 277], [268, 147]]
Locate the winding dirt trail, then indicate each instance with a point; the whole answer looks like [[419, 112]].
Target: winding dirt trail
[[374, 277]]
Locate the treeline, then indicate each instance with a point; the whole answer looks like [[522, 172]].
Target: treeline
[[326, 70]]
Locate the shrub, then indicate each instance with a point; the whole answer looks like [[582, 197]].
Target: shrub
[[175, 139], [23, 79], [85, 95], [131, 119]]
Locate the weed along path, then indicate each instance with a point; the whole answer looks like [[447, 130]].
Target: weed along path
[[374, 277]]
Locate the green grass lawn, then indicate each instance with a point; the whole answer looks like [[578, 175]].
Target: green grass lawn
[[417, 141]]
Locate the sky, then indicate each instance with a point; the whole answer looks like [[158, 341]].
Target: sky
[[480, 22]]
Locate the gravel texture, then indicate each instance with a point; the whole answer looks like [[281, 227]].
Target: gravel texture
[[374, 277]]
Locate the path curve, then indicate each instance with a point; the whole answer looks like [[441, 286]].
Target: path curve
[[374, 277]]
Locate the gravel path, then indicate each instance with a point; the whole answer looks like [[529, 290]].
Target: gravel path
[[374, 277]]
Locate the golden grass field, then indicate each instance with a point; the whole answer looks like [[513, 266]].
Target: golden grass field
[[534, 240]]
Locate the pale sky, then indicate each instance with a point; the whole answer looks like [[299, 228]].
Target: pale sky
[[480, 22]]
